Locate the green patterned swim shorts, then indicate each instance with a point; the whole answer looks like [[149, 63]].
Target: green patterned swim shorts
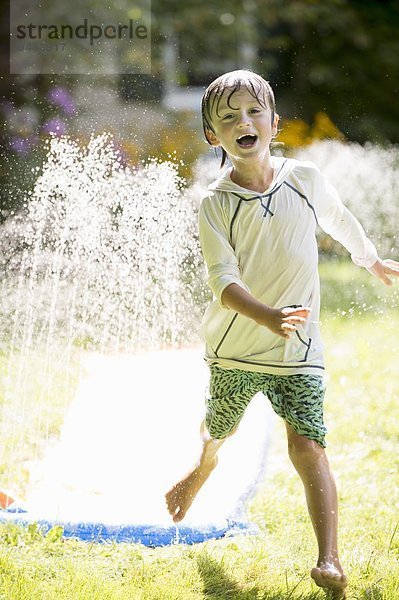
[[298, 399]]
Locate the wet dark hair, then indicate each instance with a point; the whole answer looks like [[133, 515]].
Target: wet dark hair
[[233, 81]]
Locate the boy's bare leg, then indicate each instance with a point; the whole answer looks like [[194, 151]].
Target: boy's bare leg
[[182, 494], [311, 464]]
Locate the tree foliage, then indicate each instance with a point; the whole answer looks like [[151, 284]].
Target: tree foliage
[[340, 57]]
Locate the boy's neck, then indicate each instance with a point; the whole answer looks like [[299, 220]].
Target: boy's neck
[[255, 176]]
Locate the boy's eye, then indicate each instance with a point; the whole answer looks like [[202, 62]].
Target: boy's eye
[[228, 116]]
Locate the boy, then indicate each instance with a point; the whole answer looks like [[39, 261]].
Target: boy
[[257, 232]]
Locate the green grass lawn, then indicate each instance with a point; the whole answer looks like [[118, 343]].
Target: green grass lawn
[[362, 352]]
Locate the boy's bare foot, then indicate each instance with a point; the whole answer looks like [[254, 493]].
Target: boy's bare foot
[[181, 496], [332, 579]]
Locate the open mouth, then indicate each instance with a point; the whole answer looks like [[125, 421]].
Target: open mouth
[[247, 141]]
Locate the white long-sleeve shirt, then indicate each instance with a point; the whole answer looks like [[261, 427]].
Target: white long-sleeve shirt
[[266, 243]]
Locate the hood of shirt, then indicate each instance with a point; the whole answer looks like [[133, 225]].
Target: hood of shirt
[[282, 168]]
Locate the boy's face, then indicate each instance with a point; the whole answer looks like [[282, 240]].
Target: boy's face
[[243, 127]]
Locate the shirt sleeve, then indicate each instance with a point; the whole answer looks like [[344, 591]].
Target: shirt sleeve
[[336, 220], [220, 259]]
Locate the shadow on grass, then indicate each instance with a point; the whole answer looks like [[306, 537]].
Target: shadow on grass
[[218, 585]]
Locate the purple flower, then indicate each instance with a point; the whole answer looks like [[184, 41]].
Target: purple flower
[[55, 126], [23, 145], [62, 98]]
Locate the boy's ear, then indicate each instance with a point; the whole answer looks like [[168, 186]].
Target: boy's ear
[[211, 137], [275, 124]]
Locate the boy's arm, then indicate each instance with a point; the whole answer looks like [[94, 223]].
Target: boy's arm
[[220, 259], [282, 321], [343, 226]]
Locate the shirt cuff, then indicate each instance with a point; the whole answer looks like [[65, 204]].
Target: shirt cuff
[[368, 260]]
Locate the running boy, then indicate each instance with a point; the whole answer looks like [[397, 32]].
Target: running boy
[[257, 232]]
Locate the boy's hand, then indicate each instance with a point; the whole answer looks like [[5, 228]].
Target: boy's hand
[[382, 268], [284, 321]]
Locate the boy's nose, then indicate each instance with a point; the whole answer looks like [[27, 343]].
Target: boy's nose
[[243, 120]]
